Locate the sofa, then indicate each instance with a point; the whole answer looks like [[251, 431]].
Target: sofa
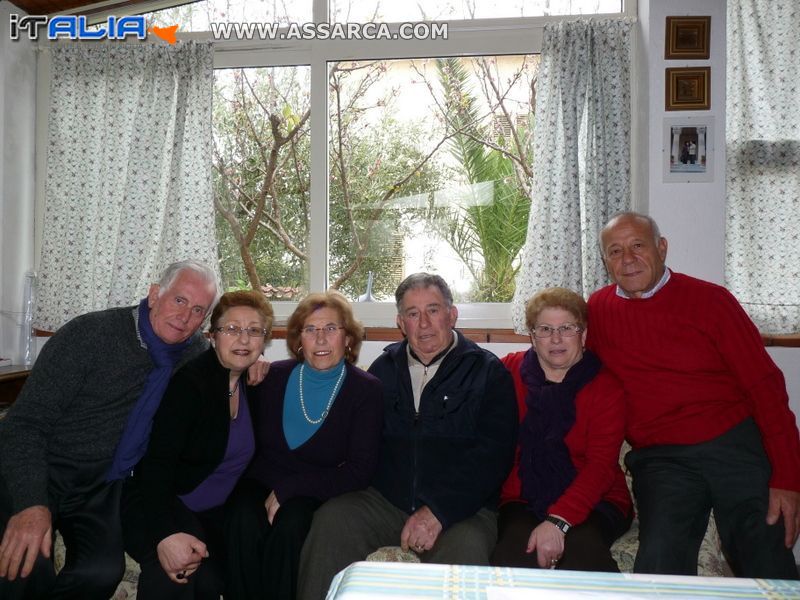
[[711, 561]]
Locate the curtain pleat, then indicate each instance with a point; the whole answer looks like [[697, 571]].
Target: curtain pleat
[[128, 187], [762, 243], [581, 155]]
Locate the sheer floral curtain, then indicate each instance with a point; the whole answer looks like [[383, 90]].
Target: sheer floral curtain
[[128, 173], [581, 155], [762, 266]]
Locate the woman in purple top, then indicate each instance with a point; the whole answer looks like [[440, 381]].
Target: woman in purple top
[[317, 421], [201, 442]]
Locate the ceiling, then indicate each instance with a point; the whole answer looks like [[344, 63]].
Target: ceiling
[[48, 7]]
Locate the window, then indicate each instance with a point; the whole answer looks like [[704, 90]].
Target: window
[[420, 177], [391, 155], [426, 10]]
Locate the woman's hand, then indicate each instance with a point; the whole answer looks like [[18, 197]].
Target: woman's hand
[[180, 554], [272, 505], [548, 542]]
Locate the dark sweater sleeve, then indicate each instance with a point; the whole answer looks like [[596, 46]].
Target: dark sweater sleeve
[[363, 435], [60, 402]]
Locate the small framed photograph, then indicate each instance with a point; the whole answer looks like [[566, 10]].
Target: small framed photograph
[[688, 38], [688, 149], [688, 88]]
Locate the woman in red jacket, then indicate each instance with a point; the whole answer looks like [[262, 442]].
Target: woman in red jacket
[[566, 500]]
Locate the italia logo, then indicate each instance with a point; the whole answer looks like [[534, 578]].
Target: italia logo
[[77, 27]]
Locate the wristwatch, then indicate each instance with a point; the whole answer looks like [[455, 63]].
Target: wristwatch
[[560, 523]]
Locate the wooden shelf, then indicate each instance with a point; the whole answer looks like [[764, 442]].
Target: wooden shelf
[[12, 378]]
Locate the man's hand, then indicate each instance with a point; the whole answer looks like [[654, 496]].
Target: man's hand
[[180, 555], [28, 533], [272, 505], [257, 371], [420, 531], [784, 502], [548, 542]]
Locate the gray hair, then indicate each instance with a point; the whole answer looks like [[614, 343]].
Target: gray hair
[[171, 273], [423, 280], [629, 215]]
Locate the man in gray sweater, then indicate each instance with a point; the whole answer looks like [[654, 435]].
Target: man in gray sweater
[[79, 426]]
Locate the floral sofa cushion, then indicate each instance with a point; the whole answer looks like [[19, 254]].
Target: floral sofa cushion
[[710, 563]]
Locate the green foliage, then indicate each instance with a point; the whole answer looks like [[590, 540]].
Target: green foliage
[[376, 162], [488, 237], [243, 103]]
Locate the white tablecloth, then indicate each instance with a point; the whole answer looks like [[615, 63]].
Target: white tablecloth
[[397, 581]]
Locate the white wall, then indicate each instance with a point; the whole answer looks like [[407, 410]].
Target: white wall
[[17, 102], [691, 215]]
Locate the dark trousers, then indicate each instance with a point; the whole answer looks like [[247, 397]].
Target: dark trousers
[[263, 558], [206, 583], [587, 546], [351, 526], [677, 486], [85, 510]]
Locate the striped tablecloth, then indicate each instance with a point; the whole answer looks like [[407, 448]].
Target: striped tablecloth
[[396, 581]]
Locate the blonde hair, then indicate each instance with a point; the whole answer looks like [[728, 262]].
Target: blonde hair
[[556, 297]]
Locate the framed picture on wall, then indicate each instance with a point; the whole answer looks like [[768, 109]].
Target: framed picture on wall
[[688, 38], [688, 88], [688, 151]]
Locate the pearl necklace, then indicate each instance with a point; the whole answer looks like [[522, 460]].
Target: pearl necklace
[[330, 400]]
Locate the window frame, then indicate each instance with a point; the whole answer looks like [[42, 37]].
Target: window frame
[[465, 38]]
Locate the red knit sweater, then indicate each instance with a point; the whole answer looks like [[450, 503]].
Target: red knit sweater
[[593, 442], [693, 365]]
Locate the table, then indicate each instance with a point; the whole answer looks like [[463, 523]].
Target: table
[[397, 581]]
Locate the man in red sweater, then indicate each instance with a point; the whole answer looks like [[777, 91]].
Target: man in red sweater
[[707, 411]]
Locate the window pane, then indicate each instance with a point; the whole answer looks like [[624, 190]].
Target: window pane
[[197, 16], [430, 170], [261, 178], [382, 10]]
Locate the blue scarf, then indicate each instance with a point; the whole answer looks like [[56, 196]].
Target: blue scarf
[[133, 443], [545, 468]]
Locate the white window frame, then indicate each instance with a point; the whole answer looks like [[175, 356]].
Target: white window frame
[[465, 38]]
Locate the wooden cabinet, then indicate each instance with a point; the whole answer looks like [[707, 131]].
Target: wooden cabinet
[[12, 379]]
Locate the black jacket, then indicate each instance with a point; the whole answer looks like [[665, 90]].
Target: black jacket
[[187, 443], [456, 452]]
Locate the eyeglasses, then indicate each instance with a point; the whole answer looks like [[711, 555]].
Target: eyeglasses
[[545, 331], [236, 331], [312, 331]]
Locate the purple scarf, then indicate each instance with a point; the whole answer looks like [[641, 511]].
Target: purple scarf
[[133, 443], [545, 468]]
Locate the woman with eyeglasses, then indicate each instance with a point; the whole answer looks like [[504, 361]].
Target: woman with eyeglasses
[[201, 442], [566, 500], [318, 422]]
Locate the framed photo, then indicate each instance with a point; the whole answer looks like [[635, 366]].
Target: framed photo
[[688, 149], [688, 88], [688, 38]]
